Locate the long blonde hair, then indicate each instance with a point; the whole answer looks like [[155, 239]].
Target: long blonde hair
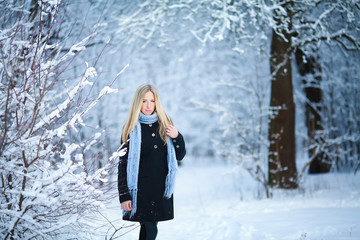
[[135, 110]]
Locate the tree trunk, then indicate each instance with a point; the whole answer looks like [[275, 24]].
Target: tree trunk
[[307, 65], [282, 167]]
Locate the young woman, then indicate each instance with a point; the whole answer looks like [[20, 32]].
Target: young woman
[[147, 171]]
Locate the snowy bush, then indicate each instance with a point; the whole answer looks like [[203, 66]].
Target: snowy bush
[[45, 189]]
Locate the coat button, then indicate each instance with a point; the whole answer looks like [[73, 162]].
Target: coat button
[[155, 146], [174, 140], [177, 146], [150, 125], [153, 134]]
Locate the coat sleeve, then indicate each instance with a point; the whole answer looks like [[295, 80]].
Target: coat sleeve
[[179, 144], [124, 194]]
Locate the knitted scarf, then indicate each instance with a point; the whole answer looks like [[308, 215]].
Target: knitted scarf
[[134, 162]]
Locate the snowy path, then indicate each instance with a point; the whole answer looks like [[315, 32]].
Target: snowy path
[[208, 205]]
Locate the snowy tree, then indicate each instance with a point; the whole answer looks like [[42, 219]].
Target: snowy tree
[[310, 26], [45, 188], [246, 24], [309, 65], [282, 167], [329, 31], [294, 25]]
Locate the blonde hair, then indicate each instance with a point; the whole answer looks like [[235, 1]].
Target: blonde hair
[[135, 110]]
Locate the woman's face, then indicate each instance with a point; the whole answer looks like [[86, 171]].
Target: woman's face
[[148, 103]]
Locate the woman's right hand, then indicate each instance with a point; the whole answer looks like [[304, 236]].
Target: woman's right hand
[[126, 205]]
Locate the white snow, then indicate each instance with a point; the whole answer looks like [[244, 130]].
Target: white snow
[[212, 201]]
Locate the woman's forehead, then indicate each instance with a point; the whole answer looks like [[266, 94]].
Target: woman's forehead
[[149, 94]]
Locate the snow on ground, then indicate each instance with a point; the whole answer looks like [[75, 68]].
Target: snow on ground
[[216, 202]]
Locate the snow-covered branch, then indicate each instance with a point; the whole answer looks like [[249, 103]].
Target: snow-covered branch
[[45, 190]]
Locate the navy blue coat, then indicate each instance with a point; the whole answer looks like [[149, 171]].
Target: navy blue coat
[[153, 169]]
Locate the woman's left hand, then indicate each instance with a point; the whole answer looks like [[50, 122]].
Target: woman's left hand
[[171, 131]]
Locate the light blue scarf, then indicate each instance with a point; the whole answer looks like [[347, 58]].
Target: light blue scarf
[[134, 162]]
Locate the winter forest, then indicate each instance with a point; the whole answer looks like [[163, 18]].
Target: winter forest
[[266, 94]]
